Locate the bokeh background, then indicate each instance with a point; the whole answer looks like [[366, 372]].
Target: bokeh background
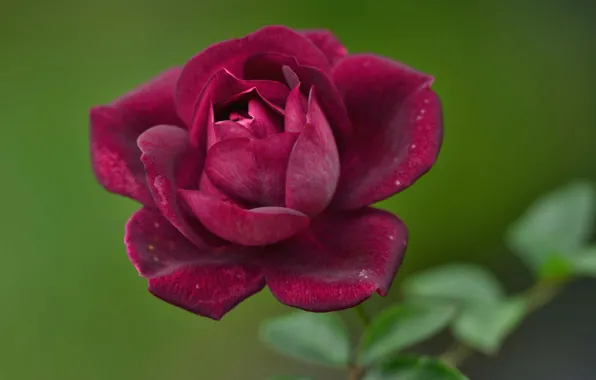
[[517, 82]]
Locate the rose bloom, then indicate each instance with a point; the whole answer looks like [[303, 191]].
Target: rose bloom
[[256, 164]]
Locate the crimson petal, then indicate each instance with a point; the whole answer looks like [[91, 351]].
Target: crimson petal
[[295, 117], [398, 128], [208, 290], [116, 127], [252, 170], [256, 227], [231, 55], [313, 167], [171, 163], [223, 87], [328, 43], [346, 258], [155, 247]]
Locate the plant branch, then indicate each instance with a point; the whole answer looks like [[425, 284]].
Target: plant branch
[[536, 297]]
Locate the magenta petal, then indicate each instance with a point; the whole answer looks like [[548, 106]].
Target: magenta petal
[[327, 42], [256, 227], [398, 128], [171, 163], [252, 170], [313, 168], [155, 247], [232, 54], [114, 130], [295, 116], [224, 87], [347, 257], [208, 290], [265, 120]]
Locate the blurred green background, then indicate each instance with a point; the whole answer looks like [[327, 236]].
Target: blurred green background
[[516, 79]]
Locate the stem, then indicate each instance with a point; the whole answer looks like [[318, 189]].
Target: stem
[[362, 315], [356, 372], [536, 297], [456, 354]]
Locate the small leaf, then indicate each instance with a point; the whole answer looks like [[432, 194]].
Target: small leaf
[[557, 224], [556, 268], [401, 326], [484, 327], [289, 377], [584, 264], [464, 283], [315, 338], [415, 368]]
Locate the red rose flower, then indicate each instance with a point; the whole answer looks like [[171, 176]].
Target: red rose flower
[[256, 164]]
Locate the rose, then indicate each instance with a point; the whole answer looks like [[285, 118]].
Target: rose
[[256, 164]]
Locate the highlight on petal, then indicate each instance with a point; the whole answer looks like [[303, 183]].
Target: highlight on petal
[[257, 227], [115, 128], [171, 163], [341, 262], [252, 170], [265, 120], [328, 43], [208, 290], [232, 54], [313, 167], [398, 128], [157, 248], [223, 88]]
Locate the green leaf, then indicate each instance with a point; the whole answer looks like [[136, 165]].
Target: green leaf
[[559, 223], [289, 377], [415, 368], [403, 325], [316, 338], [584, 264], [484, 327], [463, 283]]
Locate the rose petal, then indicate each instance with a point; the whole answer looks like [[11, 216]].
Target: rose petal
[[256, 227], [340, 263], [313, 167], [223, 88], [328, 43], [231, 55], [398, 128], [286, 69], [265, 120], [295, 116], [171, 163], [114, 130], [156, 248], [252, 170], [208, 290]]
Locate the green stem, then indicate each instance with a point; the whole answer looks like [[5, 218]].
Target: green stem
[[355, 371], [362, 316]]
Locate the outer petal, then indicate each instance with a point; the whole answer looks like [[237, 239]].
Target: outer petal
[[224, 87], [115, 128], [256, 227], [208, 290], [171, 163], [156, 248], [328, 43], [398, 128], [344, 259], [232, 54], [252, 170], [313, 168]]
